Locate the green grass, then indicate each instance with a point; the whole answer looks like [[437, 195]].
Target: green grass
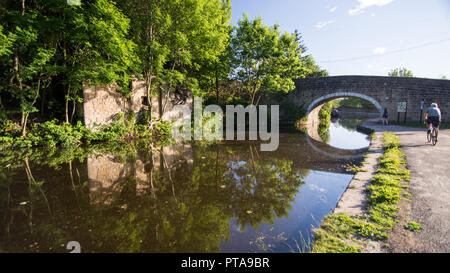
[[413, 226], [341, 233], [355, 169], [416, 124]]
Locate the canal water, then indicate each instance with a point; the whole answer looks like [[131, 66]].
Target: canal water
[[343, 134], [227, 197]]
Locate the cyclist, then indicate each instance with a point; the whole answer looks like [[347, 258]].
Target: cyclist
[[433, 117]]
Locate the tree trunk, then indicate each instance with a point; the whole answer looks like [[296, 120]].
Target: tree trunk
[[149, 99], [160, 102], [217, 89], [27, 114], [257, 101], [43, 102], [253, 97], [73, 110], [16, 69], [67, 104]]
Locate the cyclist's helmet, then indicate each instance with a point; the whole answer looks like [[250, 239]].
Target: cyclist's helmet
[[434, 105]]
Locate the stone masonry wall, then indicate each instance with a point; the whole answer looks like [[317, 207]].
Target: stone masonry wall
[[386, 91], [102, 104]]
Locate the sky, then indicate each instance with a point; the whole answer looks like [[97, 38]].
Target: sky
[[364, 37]]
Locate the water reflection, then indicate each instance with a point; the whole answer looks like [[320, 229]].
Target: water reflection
[[182, 198], [343, 135]]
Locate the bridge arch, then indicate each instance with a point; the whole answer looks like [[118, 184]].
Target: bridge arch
[[383, 92], [323, 99]]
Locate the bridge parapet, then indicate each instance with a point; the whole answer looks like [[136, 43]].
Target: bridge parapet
[[384, 92]]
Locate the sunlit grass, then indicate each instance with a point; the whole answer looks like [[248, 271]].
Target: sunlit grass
[[342, 233]]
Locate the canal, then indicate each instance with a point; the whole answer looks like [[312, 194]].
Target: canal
[[227, 197]]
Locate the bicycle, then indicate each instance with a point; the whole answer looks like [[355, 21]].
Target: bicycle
[[432, 135]]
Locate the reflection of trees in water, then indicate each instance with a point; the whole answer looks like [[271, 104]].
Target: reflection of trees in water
[[324, 132], [260, 190], [349, 124], [185, 207]]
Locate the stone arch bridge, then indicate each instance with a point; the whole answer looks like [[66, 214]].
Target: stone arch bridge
[[384, 92]]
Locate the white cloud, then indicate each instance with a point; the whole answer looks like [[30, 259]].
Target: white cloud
[[324, 24], [333, 9], [363, 4], [369, 66], [379, 51]]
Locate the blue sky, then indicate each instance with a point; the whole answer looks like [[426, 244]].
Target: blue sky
[[364, 37]]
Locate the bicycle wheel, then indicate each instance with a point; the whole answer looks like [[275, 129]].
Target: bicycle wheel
[[434, 136]]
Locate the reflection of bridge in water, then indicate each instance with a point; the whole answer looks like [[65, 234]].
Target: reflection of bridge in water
[[318, 145], [332, 152]]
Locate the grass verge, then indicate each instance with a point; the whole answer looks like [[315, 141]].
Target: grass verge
[[416, 124], [341, 233]]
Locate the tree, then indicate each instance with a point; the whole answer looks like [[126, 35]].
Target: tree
[[44, 40], [265, 61], [95, 50], [6, 42], [213, 72], [309, 66], [26, 58], [177, 40], [401, 72]]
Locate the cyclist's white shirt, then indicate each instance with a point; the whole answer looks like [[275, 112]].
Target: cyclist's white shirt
[[434, 112]]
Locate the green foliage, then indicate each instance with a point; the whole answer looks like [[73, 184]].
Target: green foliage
[[334, 234], [325, 113], [310, 67], [50, 50], [324, 132], [47, 45], [265, 60], [179, 43], [384, 214], [416, 124], [52, 134], [386, 188], [413, 226], [6, 42], [355, 169], [401, 72], [353, 102], [186, 206], [324, 118], [384, 194], [331, 244], [390, 141], [294, 114]]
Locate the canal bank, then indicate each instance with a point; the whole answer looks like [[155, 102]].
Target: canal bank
[[368, 210], [429, 203], [422, 221], [223, 197]]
